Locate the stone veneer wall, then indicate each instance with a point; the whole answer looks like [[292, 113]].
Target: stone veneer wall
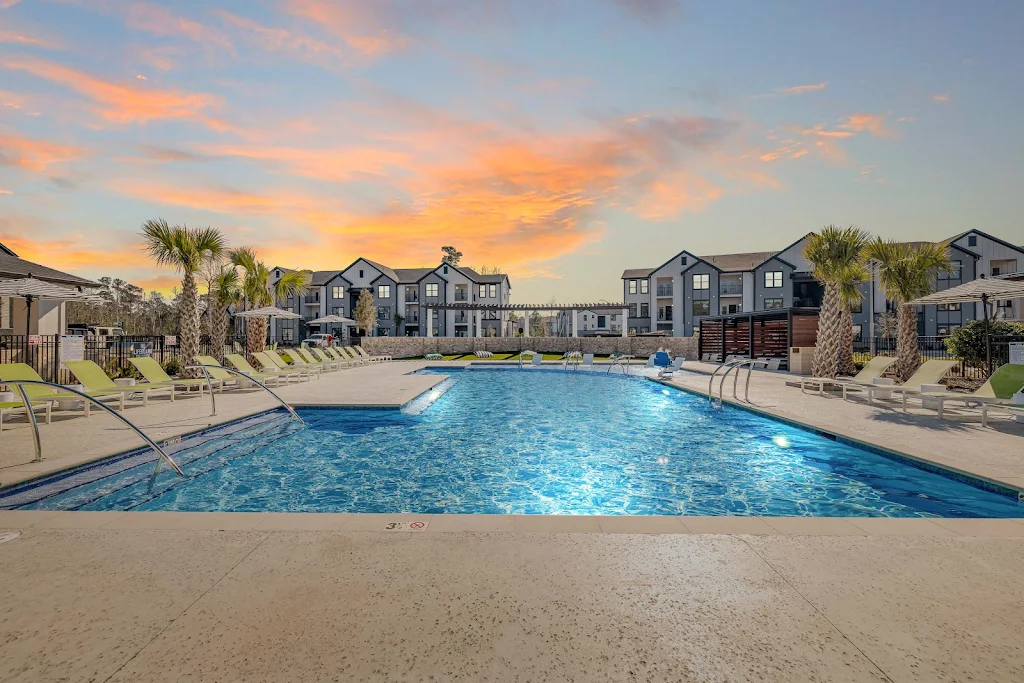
[[409, 347]]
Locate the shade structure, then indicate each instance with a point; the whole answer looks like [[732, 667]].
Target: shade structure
[[30, 289], [983, 289], [268, 312], [332, 319]]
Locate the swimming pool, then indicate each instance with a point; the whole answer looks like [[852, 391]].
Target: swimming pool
[[526, 442]]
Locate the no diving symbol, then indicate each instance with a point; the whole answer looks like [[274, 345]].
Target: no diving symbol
[[406, 526], [417, 525]]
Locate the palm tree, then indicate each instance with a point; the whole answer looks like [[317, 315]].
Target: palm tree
[[836, 256], [225, 291], [257, 292], [906, 272], [186, 250], [848, 282]]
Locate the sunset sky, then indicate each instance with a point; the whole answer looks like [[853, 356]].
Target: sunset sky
[[561, 140]]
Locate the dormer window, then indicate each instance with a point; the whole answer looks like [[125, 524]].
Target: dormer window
[[446, 270], [360, 274], [972, 240], [682, 261]]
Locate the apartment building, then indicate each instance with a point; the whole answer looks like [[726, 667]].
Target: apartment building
[[589, 323], [401, 297], [672, 297]]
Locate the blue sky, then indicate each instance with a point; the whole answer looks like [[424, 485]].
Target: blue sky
[[559, 140]]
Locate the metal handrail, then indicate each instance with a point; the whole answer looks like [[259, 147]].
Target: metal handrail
[[730, 366], [161, 456], [213, 401], [618, 361]]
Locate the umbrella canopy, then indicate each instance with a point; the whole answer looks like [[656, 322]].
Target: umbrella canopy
[[332, 319], [30, 287], [981, 289], [267, 312]]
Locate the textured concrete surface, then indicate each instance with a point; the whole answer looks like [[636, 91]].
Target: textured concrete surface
[[958, 442], [177, 605]]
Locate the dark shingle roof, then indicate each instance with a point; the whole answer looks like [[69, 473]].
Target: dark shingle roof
[[734, 263], [411, 275], [321, 277], [636, 272], [14, 267], [496, 277], [384, 269]]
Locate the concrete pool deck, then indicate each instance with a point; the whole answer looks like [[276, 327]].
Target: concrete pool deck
[[162, 596]]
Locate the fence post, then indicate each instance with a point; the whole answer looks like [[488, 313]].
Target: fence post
[[55, 372]]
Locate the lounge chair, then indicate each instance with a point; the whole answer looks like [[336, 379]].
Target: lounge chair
[[328, 358], [335, 354], [8, 406], [483, 354], [995, 394], [297, 361], [216, 373], [269, 365], [537, 360], [872, 370], [40, 392], [930, 372], [329, 366], [238, 362], [433, 356], [157, 377], [362, 352], [352, 356], [92, 377]]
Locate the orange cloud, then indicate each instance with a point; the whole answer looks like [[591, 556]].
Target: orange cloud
[[70, 253], [332, 165], [123, 103], [361, 26], [35, 155], [29, 41], [941, 98], [668, 198], [297, 45], [158, 21], [801, 89], [870, 123]]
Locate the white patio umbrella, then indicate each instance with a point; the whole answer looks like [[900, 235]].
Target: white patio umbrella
[[329, 319], [268, 312], [983, 289], [30, 289]]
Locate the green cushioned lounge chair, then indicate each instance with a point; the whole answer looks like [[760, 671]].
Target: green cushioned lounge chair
[[238, 362], [278, 362], [13, 371], [329, 366], [995, 394], [92, 377], [157, 377], [872, 370], [930, 372], [297, 361]]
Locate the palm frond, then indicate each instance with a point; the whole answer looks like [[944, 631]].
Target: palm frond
[[906, 271], [834, 250], [294, 282]]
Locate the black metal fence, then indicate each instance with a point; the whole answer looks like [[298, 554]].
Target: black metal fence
[[935, 348], [43, 352]]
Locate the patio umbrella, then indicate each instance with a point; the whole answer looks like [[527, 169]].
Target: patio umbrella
[[268, 312], [328, 319], [30, 289], [983, 289]]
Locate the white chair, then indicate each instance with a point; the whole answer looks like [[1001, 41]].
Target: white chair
[[537, 359], [588, 360]]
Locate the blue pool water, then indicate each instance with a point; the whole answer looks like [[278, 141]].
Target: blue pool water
[[532, 442]]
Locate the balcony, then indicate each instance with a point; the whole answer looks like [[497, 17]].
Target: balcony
[[665, 290], [461, 295], [412, 296], [461, 318], [730, 289], [665, 317]]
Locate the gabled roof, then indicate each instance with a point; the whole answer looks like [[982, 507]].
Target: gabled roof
[[382, 268], [735, 263], [478, 277], [14, 267], [410, 276], [954, 238], [320, 278], [6, 251], [637, 272]]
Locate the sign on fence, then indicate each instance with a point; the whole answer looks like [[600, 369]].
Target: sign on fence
[[1017, 353], [71, 348], [170, 340], [35, 339], [142, 349]]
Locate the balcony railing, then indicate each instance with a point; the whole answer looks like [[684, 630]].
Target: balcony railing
[[730, 288], [461, 295], [664, 290], [665, 317], [412, 297]]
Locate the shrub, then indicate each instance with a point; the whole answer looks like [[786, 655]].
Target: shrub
[[172, 366], [967, 343]]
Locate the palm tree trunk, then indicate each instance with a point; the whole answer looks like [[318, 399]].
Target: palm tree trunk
[[255, 336], [846, 364], [826, 347], [188, 322], [218, 330], [908, 356]]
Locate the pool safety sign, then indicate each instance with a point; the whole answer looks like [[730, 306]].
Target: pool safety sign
[[1017, 353], [415, 525], [72, 348]]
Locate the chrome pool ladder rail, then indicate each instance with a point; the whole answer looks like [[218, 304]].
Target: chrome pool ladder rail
[[161, 455], [213, 401], [729, 366]]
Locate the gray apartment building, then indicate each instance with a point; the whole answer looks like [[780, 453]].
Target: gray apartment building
[[672, 297], [402, 297]]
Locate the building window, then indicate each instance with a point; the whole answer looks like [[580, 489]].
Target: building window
[[682, 260], [431, 289], [954, 272], [446, 270], [483, 291], [701, 307], [601, 321], [857, 332], [702, 282], [360, 274], [995, 270], [632, 286], [772, 304], [383, 291], [644, 310], [287, 334], [773, 279], [632, 330], [942, 330], [337, 310], [383, 313], [857, 306], [337, 292], [948, 307], [643, 286], [632, 310], [494, 291], [972, 240]]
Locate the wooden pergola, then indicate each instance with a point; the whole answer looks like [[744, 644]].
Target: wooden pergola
[[760, 334], [574, 309]]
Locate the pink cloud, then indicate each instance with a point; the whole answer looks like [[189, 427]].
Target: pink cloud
[[801, 89]]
